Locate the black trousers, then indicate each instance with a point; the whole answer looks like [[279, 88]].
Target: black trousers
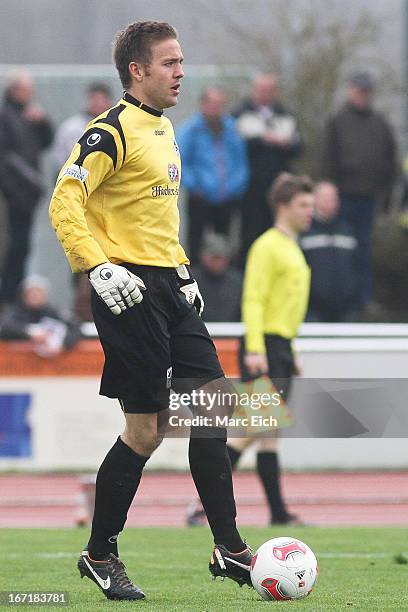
[[13, 268], [202, 215], [281, 363], [256, 216]]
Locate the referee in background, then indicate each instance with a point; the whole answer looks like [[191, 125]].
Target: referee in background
[[274, 304], [114, 209]]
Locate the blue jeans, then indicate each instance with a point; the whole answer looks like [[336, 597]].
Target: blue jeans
[[359, 212]]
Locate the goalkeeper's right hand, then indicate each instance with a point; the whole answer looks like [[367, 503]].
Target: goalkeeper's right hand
[[118, 288]]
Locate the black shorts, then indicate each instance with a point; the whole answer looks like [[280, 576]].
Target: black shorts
[[158, 343], [280, 362]]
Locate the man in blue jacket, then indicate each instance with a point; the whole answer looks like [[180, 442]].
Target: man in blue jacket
[[215, 168]]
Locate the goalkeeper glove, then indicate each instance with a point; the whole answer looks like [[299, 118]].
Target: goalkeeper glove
[[190, 288], [118, 288]]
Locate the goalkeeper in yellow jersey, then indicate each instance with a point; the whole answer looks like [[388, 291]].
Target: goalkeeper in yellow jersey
[[114, 209], [275, 299]]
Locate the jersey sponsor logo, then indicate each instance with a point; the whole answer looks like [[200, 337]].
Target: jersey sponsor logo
[[158, 191], [159, 132], [93, 139], [77, 172], [173, 172], [176, 147]]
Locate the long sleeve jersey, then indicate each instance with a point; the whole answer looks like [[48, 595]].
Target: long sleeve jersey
[[116, 196], [276, 289]]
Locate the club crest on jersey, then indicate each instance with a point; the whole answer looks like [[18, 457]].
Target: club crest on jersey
[[93, 139], [173, 172], [77, 172], [176, 147]]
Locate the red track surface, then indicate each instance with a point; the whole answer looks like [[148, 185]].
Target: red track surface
[[379, 498]]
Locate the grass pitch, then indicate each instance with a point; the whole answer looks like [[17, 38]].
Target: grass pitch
[[360, 569]]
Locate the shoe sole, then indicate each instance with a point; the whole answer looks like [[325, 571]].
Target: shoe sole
[[239, 581], [216, 572]]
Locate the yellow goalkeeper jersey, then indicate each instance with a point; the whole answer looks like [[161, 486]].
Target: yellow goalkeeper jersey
[[276, 289], [116, 196]]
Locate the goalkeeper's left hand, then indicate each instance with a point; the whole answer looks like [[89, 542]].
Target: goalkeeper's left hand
[[190, 288]]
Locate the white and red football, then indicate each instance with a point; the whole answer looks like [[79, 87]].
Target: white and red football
[[284, 569]]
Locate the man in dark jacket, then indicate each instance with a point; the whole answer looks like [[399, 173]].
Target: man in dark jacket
[[360, 157], [33, 318], [24, 134], [220, 283], [273, 141], [330, 250]]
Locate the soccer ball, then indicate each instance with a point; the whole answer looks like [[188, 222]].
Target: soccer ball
[[283, 568]]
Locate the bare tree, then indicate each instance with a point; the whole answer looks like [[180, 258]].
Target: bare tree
[[311, 44]]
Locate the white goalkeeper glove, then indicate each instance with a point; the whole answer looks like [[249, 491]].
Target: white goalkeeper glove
[[190, 288], [118, 288]]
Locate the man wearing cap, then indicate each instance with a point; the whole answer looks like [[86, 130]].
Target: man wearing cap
[[220, 283], [360, 157], [32, 317]]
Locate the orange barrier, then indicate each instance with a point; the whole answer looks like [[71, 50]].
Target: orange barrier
[[85, 359]]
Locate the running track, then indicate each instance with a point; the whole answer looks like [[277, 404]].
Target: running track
[[379, 498]]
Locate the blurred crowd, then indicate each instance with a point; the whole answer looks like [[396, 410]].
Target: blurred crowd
[[231, 155]]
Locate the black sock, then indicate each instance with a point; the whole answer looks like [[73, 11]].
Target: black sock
[[269, 473], [211, 471], [233, 455], [116, 484]]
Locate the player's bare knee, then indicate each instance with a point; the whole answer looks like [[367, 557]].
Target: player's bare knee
[[269, 444], [219, 398], [144, 445], [149, 445], [142, 433], [162, 423]]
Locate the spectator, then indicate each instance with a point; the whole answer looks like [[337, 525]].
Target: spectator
[[24, 133], [33, 318], [215, 170], [98, 100], [220, 284], [330, 250], [360, 157], [273, 141]]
